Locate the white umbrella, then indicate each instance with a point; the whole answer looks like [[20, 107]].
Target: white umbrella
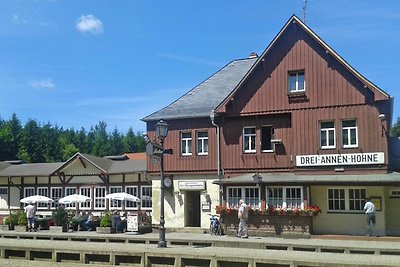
[[122, 196], [36, 199], [75, 198]]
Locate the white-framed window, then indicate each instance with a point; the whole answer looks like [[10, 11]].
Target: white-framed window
[[297, 81], [349, 134], [3, 190], [133, 190], [267, 134], [394, 193], [70, 191], [43, 191], [115, 203], [285, 197], [249, 139], [29, 191], [99, 198], [55, 195], [202, 143], [85, 191], [327, 135], [250, 195], [346, 199], [186, 144], [146, 197]]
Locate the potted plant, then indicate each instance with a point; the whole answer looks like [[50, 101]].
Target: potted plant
[[22, 222], [60, 217], [6, 223], [105, 224]]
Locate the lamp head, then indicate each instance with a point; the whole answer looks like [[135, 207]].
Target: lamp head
[[382, 117], [162, 129]]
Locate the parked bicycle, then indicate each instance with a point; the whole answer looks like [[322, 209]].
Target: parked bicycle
[[215, 225]]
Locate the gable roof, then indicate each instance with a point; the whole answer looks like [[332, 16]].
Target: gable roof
[[327, 48], [205, 97]]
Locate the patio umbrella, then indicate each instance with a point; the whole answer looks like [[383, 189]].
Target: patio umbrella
[[122, 196], [36, 199], [75, 198]]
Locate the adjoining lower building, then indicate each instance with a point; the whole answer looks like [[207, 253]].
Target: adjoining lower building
[[81, 174], [292, 128]]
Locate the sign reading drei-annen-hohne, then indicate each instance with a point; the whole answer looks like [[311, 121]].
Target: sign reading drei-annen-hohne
[[340, 159]]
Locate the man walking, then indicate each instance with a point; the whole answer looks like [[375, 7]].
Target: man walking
[[369, 208], [243, 216], [30, 211]]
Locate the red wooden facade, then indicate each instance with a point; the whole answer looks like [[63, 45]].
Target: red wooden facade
[[334, 91]]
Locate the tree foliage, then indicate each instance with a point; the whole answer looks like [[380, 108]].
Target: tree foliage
[[35, 143], [395, 129]]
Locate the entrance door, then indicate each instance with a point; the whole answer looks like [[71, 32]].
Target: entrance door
[[192, 208]]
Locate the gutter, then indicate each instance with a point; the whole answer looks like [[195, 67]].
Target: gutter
[[219, 170]]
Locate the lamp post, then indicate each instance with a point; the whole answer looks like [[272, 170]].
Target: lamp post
[[161, 132]]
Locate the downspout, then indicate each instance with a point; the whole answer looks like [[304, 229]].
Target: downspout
[[219, 171]]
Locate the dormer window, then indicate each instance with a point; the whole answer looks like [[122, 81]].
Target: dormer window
[[297, 82]]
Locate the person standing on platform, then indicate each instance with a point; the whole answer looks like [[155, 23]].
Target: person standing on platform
[[30, 211], [243, 215], [369, 209]]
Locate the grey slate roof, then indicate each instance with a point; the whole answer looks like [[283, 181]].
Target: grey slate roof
[[205, 97], [47, 169], [284, 178]]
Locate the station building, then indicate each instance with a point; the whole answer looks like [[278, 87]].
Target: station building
[[293, 127]]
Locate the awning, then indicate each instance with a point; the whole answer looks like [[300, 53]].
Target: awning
[[291, 178]]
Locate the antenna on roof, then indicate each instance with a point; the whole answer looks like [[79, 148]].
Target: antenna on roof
[[304, 11]]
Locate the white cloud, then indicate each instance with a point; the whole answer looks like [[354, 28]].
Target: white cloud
[[89, 24], [18, 20], [44, 83]]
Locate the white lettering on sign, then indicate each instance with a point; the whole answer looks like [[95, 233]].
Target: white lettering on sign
[[340, 159], [192, 185]]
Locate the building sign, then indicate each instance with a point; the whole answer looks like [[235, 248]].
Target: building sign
[[340, 159], [192, 185]]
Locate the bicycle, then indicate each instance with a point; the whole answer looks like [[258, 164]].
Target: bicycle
[[215, 225]]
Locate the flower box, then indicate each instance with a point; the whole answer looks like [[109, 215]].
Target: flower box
[[271, 222]]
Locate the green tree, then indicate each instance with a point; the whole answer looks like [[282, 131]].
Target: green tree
[[101, 146], [32, 144], [395, 129], [117, 146], [52, 145], [130, 141]]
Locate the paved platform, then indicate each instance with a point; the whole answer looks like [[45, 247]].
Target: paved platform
[[186, 249]]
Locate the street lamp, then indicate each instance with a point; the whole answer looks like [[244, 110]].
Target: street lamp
[[161, 132]]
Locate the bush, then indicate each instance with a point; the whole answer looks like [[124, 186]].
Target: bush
[[22, 219], [105, 220], [60, 216]]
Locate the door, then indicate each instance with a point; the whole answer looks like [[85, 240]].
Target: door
[[192, 209]]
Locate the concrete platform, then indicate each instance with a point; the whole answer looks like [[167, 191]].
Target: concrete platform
[[186, 249]]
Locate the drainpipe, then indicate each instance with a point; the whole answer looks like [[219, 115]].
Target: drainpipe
[[219, 171]]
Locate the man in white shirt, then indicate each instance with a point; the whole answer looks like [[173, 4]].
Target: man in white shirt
[[369, 209], [30, 211], [243, 215]]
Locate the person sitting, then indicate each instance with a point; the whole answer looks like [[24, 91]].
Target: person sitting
[[87, 225]]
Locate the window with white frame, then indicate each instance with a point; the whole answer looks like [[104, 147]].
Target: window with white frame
[[85, 191], [3, 190], [285, 197], [29, 191], [99, 198], [43, 191], [394, 193], [186, 144], [133, 190], [55, 195], [202, 143], [115, 203], [297, 82], [327, 135], [70, 191], [146, 197], [249, 139], [342, 200], [357, 199], [267, 134], [349, 133], [250, 195]]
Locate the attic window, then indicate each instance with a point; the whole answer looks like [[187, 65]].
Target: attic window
[[296, 81]]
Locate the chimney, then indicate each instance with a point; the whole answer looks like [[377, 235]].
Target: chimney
[[253, 55]]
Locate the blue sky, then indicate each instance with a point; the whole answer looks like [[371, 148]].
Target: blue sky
[[74, 63]]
